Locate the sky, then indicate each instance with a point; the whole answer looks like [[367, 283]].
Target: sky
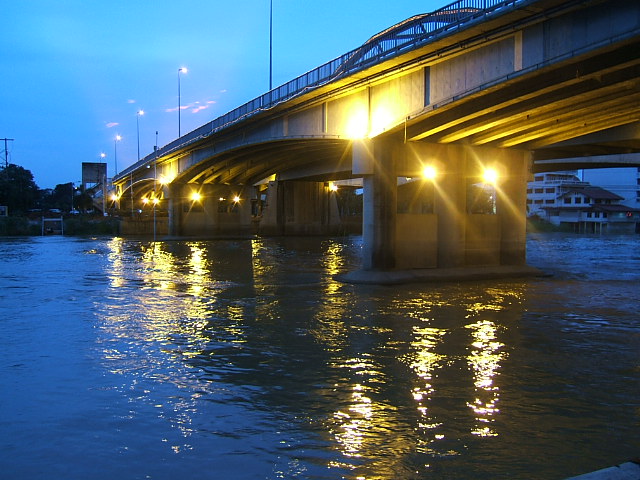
[[76, 72]]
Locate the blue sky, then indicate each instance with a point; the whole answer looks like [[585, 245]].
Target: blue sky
[[75, 72]]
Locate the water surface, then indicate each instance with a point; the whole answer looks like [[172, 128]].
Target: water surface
[[247, 360]]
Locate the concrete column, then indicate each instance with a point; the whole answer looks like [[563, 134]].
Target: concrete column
[[300, 208], [511, 206], [450, 206], [230, 209], [173, 195], [376, 158], [271, 222]]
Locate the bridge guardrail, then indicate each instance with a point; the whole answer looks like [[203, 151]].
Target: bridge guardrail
[[409, 34]]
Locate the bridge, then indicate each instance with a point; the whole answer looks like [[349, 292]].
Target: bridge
[[440, 120]]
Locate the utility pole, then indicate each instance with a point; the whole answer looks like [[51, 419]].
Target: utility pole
[[270, 45], [6, 151]]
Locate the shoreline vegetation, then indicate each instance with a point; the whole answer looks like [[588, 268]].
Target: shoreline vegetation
[[96, 225], [76, 225]]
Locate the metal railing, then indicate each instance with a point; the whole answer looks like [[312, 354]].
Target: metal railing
[[402, 37]]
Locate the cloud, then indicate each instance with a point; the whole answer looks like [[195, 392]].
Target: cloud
[[131, 101], [195, 107], [112, 124], [175, 109]]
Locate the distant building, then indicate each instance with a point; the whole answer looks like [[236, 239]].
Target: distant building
[[562, 198], [546, 188], [621, 181]]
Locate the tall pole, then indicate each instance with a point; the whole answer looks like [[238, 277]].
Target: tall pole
[[155, 188], [180, 70], [6, 151], [115, 153], [270, 45], [103, 180], [140, 112]]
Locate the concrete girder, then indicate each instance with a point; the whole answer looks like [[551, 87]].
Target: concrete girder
[[506, 126], [594, 123], [624, 139], [250, 164], [525, 93]]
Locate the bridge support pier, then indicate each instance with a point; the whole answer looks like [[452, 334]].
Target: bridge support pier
[[210, 209], [461, 219], [379, 209], [300, 208], [173, 194]]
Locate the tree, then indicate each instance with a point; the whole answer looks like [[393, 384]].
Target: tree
[[17, 189], [61, 197], [83, 201]]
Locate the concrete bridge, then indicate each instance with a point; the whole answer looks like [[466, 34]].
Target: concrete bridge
[[439, 119]]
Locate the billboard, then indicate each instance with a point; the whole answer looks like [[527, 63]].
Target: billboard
[[93, 173]]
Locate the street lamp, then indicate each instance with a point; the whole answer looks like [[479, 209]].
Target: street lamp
[[115, 153], [139, 113], [103, 181], [270, 45], [155, 186], [180, 70]]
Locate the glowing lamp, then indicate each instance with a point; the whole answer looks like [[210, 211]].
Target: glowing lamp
[[490, 175], [357, 126], [380, 120], [429, 172], [196, 197]]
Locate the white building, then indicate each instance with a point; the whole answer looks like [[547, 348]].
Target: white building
[[562, 198], [546, 188]]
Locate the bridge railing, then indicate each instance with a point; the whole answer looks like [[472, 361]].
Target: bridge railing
[[402, 37]]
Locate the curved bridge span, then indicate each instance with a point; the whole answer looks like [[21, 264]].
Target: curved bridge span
[[506, 86]]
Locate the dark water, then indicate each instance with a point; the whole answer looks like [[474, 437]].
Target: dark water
[[124, 359]]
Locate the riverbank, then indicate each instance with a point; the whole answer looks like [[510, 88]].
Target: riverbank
[[72, 225], [96, 225]]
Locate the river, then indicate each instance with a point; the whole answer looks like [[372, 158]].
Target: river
[[246, 359]]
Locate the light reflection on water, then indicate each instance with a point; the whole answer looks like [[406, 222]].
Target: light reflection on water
[[248, 358]]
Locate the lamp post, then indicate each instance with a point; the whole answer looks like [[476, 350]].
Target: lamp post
[[115, 153], [103, 181], [155, 187], [139, 113], [131, 191], [180, 70], [270, 45]]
